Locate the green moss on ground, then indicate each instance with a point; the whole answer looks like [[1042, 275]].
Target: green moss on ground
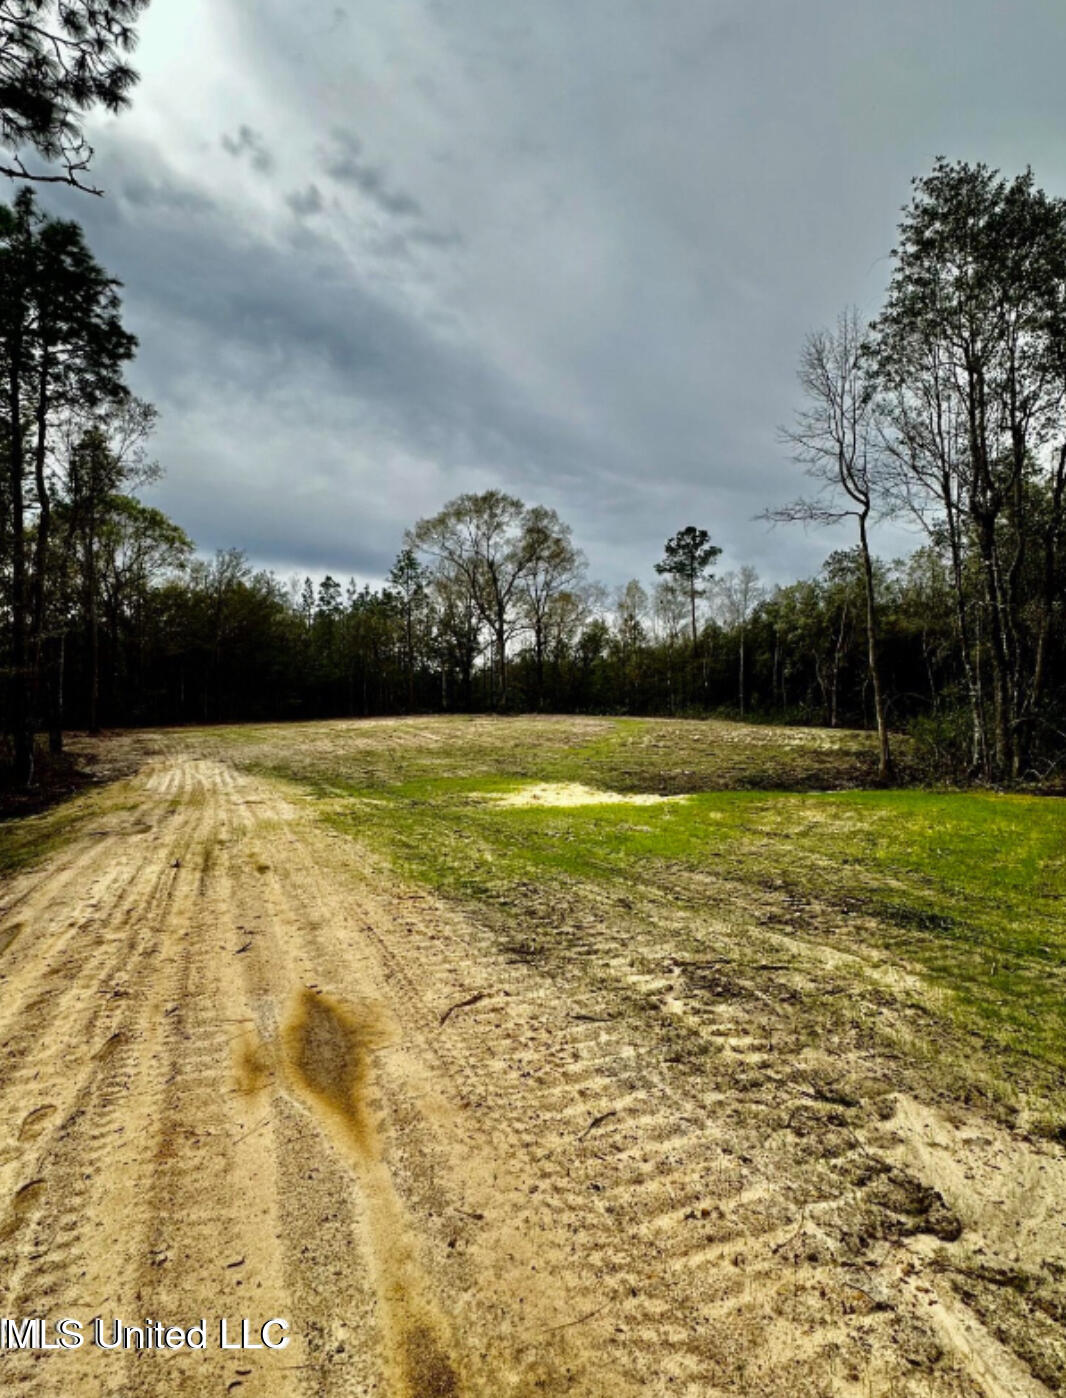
[[29, 840]]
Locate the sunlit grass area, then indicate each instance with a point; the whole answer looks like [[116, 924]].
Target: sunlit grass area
[[624, 754], [967, 889], [970, 888], [29, 840]]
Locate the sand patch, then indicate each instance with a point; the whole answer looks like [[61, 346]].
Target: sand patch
[[575, 794]]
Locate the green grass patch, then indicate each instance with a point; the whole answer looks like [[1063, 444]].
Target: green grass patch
[[623, 754], [965, 889], [969, 889], [28, 840]]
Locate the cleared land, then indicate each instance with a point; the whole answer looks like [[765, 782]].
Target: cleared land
[[490, 1088]]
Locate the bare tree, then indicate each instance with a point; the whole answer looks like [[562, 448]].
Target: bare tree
[[105, 452], [630, 618], [834, 438], [737, 595], [459, 632], [670, 610], [969, 357], [553, 566]]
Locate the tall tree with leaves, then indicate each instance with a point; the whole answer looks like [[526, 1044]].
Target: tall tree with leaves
[[62, 347], [553, 566], [738, 595], [479, 540], [408, 580], [688, 557], [631, 611], [139, 548], [969, 352], [105, 457]]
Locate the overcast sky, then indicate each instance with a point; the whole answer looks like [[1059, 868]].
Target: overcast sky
[[380, 254]]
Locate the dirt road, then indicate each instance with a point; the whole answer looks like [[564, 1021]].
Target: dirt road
[[248, 1074]]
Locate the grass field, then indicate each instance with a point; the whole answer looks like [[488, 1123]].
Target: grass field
[[964, 891]]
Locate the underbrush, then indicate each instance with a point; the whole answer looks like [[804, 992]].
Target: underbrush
[[56, 776]]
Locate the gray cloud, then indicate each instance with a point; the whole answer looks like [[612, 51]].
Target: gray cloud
[[144, 189], [627, 219], [434, 238], [344, 163], [234, 327], [249, 142], [306, 202]]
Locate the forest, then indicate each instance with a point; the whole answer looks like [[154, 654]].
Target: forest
[[947, 410]]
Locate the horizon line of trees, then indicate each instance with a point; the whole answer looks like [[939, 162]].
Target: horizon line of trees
[[949, 407], [179, 639]]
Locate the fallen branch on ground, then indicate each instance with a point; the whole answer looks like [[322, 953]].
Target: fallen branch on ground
[[462, 1004], [596, 1121]]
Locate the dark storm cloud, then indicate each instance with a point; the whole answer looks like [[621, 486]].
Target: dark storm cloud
[[570, 250], [250, 143], [235, 328], [345, 164], [306, 202]]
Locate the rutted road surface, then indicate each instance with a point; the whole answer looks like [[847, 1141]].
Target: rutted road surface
[[246, 1073]]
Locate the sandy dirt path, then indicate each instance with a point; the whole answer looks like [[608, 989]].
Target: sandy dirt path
[[246, 1073]]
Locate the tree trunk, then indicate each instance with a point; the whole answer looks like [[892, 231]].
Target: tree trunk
[[1052, 541], [838, 655], [55, 694], [934, 697], [501, 653], [21, 727], [92, 611], [741, 672], [44, 509], [1001, 707], [884, 763], [409, 643], [970, 666], [94, 664]]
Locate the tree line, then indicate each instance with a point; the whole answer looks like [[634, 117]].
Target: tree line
[[946, 408]]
